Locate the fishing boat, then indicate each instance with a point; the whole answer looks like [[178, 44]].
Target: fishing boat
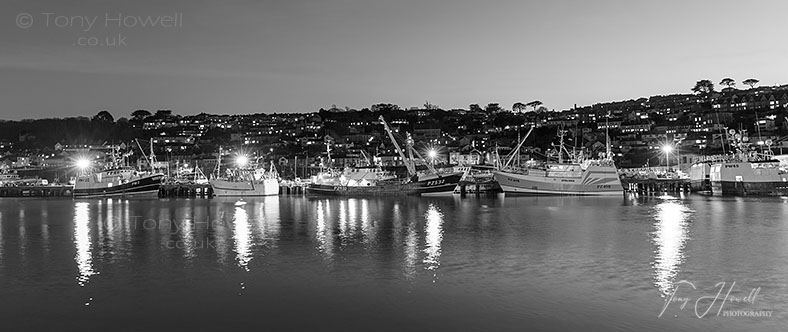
[[115, 180], [575, 176], [124, 182], [748, 172], [8, 177], [371, 180], [427, 185], [700, 175], [478, 180], [243, 181]]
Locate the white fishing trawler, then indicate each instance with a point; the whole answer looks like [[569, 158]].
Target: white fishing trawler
[[748, 172], [246, 181], [576, 176], [7, 177]]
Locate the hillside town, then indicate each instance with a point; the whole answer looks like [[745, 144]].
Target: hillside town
[[694, 125]]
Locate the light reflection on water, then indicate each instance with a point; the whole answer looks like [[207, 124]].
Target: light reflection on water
[[22, 232], [344, 228], [187, 234], [218, 226], [671, 221], [82, 242], [45, 227], [366, 226], [433, 238], [323, 233], [242, 236], [268, 224], [514, 258], [2, 240]]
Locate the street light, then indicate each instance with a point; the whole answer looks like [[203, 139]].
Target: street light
[[432, 154], [83, 164], [667, 149], [242, 160]]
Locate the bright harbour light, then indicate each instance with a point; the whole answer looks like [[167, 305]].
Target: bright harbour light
[[667, 148], [242, 160], [83, 163], [432, 153]]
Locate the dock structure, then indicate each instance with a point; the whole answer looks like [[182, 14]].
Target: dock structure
[[292, 188], [655, 186], [186, 190], [37, 191], [467, 188]]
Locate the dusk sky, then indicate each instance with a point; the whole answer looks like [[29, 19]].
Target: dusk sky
[[301, 55]]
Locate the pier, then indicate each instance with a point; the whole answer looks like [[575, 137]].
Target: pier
[[37, 191], [292, 188], [649, 186], [478, 189]]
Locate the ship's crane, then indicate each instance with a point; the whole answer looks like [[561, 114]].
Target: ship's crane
[[408, 162], [366, 158], [411, 150]]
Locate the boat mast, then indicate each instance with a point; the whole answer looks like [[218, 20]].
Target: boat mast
[[152, 156], [561, 134], [517, 149], [608, 151], [143, 154], [519, 162], [758, 126], [219, 163], [328, 150], [408, 165]]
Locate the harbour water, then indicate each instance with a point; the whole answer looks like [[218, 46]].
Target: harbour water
[[403, 263]]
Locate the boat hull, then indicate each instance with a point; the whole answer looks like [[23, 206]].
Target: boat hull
[[741, 188], [438, 185], [699, 178], [147, 186], [596, 181], [430, 186], [478, 188], [748, 179], [266, 187]]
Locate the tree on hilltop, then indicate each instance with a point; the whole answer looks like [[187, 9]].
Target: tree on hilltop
[[729, 82], [103, 116], [534, 104], [751, 82], [163, 114], [140, 114], [703, 87], [518, 107]]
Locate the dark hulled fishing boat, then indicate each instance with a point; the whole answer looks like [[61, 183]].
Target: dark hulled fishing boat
[[371, 180]]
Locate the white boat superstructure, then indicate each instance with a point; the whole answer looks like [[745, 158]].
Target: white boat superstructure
[[353, 176], [8, 177], [247, 182], [748, 172], [578, 176]]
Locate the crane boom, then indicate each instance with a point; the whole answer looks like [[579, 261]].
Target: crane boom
[[408, 164]]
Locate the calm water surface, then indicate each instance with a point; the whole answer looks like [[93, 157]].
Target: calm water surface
[[302, 263]]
